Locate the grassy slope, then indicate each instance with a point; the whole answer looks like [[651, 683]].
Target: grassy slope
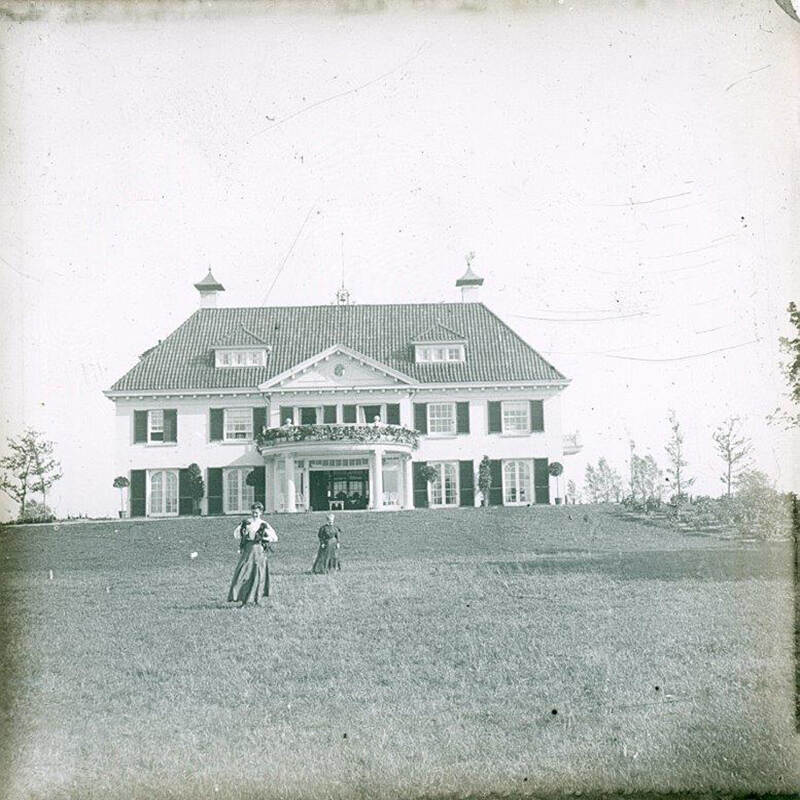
[[432, 664]]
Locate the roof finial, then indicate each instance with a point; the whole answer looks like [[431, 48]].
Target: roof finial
[[469, 282], [342, 295]]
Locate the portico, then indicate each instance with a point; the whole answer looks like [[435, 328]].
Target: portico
[[319, 477]]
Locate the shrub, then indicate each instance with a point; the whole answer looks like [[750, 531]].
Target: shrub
[[36, 512]]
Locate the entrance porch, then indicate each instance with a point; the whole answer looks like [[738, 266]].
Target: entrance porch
[[345, 481]]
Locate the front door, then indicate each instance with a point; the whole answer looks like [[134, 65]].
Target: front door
[[318, 490]]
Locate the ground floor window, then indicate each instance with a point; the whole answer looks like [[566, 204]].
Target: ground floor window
[[391, 483], [517, 484], [443, 489], [237, 495], [162, 488]]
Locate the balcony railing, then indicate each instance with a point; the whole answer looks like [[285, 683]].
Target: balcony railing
[[377, 433]]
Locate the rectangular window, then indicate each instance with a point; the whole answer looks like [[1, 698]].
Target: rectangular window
[[443, 489], [453, 352], [240, 358], [516, 416], [441, 418], [517, 489], [238, 424], [308, 416], [155, 421], [237, 495]]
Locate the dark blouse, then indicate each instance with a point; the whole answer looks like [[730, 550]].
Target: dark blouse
[[328, 532]]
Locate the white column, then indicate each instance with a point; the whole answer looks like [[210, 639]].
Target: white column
[[276, 486], [407, 412], [408, 484], [290, 492], [377, 480]]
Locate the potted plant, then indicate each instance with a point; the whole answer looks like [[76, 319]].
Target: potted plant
[[121, 483], [555, 469]]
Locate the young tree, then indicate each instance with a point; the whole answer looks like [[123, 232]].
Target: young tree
[[734, 449], [677, 462], [197, 488], [485, 479], [648, 479], [791, 371], [632, 478], [121, 483], [29, 467], [591, 484], [556, 469]]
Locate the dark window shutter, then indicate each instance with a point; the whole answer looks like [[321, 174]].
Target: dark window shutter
[[138, 492], [216, 424], [495, 417], [537, 415], [496, 489], [139, 426], [329, 415], [259, 419], [420, 485], [260, 485], [287, 412], [462, 417], [170, 425], [393, 413], [541, 480], [185, 502], [214, 490], [421, 417], [348, 413], [466, 483]]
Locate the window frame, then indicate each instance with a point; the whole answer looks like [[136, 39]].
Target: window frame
[[225, 425], [151, 473], [441, 466], [454, 418], [530, 488], [152, 429], [440, 353], [524, 404], [245, 493], [238, 357]]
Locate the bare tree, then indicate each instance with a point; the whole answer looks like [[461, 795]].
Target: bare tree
[[734, 449], [677, 462]]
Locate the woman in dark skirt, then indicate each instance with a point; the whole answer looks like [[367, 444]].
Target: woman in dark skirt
[[251, 577], [328, 551]]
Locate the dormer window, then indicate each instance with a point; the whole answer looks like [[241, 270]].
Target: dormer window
[[429, 353], [239, 357]]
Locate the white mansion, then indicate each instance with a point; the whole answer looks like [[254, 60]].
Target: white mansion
[[340, 406]]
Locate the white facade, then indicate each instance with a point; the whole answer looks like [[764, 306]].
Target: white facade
[[340, 431]]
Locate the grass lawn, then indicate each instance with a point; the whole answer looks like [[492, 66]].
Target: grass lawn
[[521, 651]]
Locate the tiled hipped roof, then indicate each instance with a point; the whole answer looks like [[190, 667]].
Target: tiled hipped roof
[[184, 360]]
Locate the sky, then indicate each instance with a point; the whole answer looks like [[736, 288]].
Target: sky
[[626, 175]]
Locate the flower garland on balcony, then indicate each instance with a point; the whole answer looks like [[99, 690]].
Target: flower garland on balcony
[[338, 433]]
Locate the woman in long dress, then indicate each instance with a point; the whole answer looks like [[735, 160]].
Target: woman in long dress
[[328, 551], [251, 577]]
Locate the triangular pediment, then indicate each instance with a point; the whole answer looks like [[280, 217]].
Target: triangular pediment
[[336, 367], [438, 332], [240, 336]]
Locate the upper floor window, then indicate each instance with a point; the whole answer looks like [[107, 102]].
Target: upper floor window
[[158, 425], [240, 358], [238, 423], [516, 416], [155, 426], [441, 417], [426, 353]]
